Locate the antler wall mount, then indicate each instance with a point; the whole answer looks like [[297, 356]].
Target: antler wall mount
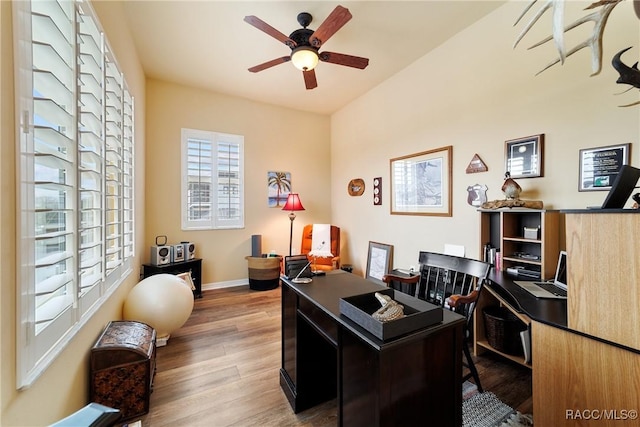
[[601, 11], [305, 44]]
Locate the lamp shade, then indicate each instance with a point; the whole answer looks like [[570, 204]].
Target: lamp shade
[[304, 58], [293, 203]]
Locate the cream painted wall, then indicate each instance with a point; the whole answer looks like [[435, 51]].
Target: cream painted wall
[[275, 139], [63, 387], [475, 92]]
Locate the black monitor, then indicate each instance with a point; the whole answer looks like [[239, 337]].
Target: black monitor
[[622, 187]]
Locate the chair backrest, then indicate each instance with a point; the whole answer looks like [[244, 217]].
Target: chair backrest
[[307, 236], [444, 275]]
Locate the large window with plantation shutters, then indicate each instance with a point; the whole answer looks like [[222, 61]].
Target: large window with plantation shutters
[[75, 176]]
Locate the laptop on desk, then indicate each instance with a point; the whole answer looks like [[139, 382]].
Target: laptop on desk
[[556, 289]]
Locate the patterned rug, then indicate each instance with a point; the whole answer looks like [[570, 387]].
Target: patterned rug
[[486, 410]]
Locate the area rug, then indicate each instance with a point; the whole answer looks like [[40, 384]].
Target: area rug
[[486, 410]]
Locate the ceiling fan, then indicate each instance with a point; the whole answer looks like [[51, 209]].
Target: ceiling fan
[[305, 43]]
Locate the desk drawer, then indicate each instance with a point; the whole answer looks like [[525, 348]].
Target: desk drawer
[[322, 322]]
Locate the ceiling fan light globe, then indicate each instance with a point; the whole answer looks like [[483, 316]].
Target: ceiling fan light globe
[[304, 58]]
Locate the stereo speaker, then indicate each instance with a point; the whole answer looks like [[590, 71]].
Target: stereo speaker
[[189, 250], [256, 245], [160, 255]]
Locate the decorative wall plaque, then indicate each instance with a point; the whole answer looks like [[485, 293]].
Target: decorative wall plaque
[[477, 194], [476, 165], [356, 187], [377, 191]]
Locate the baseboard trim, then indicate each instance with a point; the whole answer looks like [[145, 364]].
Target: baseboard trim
[[226, 284]]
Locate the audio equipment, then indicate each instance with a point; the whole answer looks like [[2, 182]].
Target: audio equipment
[[189, 250], [177, 253], [256, 245], [160, 253]]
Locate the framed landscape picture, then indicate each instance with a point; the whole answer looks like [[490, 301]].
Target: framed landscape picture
[[421, 183]]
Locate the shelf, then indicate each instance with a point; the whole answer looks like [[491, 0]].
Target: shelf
[[488, 297], [517, 359]]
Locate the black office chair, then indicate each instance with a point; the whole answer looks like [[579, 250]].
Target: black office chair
[[452, 282]]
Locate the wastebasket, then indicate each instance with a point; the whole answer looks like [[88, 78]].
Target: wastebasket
[[502, 329], [264, 272]]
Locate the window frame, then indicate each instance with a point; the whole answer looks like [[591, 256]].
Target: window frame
[[57, 128], [233, 190]]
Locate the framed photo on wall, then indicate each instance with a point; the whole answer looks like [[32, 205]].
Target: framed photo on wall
[[421, 183], [379, 261], [523, 157], [599, 166]]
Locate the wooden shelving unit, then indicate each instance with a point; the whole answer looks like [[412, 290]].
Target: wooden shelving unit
[[504, 229]]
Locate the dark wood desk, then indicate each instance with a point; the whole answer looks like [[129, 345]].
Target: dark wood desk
[[415, 379]]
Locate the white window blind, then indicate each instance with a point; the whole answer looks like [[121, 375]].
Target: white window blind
[[75, 176], [212, 180]]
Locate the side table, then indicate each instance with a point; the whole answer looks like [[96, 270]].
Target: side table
[[193, 265]]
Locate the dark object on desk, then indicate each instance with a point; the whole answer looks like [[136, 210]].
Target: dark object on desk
[[636, 199], [347, 267], [622, 187], [452, 282], [503, 330], [123, 364], [92, 415], [418, 314], [297, 266]]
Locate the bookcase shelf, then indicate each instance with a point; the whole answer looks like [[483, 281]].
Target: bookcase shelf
[[503, 229]]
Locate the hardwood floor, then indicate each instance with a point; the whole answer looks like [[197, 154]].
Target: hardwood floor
[[222, 369]]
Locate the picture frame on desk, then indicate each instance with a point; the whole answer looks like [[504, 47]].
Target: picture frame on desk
[[379, 261], [599, 166], [524, 157]]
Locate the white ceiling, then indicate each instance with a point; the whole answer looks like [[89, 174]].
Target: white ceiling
[[206, 44]]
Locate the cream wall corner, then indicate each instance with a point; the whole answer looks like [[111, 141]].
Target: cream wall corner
[[475, 92], [275, 139]]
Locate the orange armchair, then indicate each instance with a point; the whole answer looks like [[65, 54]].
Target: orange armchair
[[322, 263]]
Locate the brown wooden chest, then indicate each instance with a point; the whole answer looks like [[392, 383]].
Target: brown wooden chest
[[123, 363]]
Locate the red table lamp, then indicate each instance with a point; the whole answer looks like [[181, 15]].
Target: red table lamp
[[293, 204]]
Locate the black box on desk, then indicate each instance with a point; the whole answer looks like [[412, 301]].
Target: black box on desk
[[418, 314]]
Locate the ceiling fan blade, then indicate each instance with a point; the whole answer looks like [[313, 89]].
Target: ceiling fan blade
[[269, 64], [342, 59], [333, 23], [310, 79], [263, 26]]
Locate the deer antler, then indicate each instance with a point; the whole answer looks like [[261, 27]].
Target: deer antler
[[628, 75], [599, 18]]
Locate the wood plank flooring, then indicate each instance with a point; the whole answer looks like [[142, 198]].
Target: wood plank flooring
[[222, 369]]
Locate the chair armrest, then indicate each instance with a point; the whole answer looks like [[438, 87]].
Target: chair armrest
[[387, 278], [454, 300]]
